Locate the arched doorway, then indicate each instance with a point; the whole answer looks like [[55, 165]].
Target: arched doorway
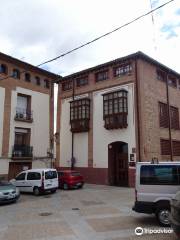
[[118, 164]]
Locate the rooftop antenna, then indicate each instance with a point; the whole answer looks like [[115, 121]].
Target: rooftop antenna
[[153, 24]]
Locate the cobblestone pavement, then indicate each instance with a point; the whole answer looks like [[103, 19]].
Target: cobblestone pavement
[[91, 213]]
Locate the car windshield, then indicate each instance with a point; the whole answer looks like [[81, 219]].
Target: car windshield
[[50, 174], [4, 183]]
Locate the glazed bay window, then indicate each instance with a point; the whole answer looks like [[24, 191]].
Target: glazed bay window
[[80, 115], [122, 70], [115, 109]]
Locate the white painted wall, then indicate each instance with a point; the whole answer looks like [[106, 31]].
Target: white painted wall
[[39, 126], [4, 166], [80, 140], [103, 137], [43, 163], [2, 97]]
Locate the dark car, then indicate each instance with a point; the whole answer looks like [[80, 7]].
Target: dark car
[[175, 214], [8, 192], [69, 179]]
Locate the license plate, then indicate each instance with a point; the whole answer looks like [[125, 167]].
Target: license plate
[[78, 184]]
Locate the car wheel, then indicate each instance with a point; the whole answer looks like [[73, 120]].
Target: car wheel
[[65, 186], [36, 191], [162, 215], [53, 191]]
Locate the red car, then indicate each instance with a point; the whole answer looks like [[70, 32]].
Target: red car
[[70, 179]]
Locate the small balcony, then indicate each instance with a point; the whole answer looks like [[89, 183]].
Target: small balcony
[[23, 115], [22, 152]]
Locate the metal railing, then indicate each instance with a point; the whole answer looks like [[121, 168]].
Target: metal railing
[[22, 151], [23, 114]]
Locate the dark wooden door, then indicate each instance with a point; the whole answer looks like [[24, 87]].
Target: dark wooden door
[[118, 164], [17, 167], [121, 169]]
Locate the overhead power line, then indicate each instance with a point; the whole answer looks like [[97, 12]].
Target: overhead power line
[[99, 37], [106, 34]]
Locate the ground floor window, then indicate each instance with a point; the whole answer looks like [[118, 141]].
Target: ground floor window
[[165, 147]]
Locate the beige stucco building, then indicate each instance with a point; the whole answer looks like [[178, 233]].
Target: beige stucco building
[[26, 119]]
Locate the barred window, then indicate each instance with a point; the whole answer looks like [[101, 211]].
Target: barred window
[[172, 81], [82, 81], [122, 70], [38, 81], [80, 115], [161, 75], [67, 85], [27, 77], [101, 76], [16, 74], [3, 69], [165, 147], [163, 116], [46, 83], [115, 109]]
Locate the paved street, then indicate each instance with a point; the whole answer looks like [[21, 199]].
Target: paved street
[[92, 213]]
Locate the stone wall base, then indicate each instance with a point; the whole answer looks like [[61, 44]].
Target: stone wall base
[[100, 175], [132, 176]]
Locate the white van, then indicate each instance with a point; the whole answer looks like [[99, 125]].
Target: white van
[[37, 181], [156, 185]]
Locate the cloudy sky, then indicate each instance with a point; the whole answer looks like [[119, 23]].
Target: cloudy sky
[[37, 30]]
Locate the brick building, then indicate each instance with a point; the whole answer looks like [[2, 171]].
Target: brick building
[[115, 114], [26, 119]]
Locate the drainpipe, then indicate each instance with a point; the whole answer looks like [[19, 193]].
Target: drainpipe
[[137, 110], [169, 117], [72, 143]]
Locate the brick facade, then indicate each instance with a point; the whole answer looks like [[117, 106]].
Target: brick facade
[[148, 91]]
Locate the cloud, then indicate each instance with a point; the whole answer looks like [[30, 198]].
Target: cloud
[[170, 30], [178, 12], [39, 30]]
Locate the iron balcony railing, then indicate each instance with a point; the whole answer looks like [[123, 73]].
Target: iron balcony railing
[[23, 115], [22, 151]]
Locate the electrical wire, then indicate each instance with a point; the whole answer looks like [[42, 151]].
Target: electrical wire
[[106, 34], [153, 25], [99, 37]]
